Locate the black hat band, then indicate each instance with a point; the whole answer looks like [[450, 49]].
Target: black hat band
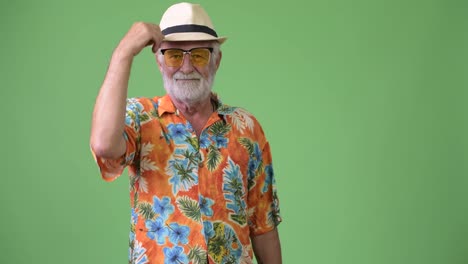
[[189, 28]]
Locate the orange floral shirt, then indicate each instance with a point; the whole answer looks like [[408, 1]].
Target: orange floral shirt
[[195, 199]]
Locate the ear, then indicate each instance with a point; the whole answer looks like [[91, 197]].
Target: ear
[[218, 62], [159, 62]]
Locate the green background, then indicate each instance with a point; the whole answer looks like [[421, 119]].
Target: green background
[[364, 103]]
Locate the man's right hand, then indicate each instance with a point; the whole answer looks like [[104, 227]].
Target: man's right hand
[[140, 35], [108, 123]]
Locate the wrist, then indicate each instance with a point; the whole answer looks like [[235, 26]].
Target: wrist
[[123, 53], [120, 53]]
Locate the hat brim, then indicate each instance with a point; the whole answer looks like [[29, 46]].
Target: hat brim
[[193, 36]]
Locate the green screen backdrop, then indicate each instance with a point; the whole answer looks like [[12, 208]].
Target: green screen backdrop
[[364, 103]]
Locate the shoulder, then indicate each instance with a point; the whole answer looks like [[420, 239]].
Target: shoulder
[[234, 111], [241, 119], [142, 104], [140, 110]]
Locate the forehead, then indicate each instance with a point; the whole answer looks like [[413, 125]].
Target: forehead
[[186, 45]]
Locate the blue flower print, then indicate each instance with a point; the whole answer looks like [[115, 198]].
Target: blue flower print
[[254, 162], [134, 217], [133, 110], [174, 255], [205, 205], [157, 230], [189, 127], [178, 233], [178, 132], [182, 174], [204, 141], [220, 141], [128, 120], [268, 178], [134, 104], [257, 152], [252, 168], [131, 236], [129, 158], [163, 207], [155, 105], [208, 229]]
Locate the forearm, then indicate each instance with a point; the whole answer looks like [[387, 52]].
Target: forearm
[[109, 111], [267, 248]]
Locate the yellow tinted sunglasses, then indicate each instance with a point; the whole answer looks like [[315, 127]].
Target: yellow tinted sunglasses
[[198, 56]]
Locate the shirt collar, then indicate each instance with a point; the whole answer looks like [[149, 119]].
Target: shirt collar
[[165, 104]]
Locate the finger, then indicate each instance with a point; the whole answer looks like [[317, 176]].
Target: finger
[[151, 42], [156, 43], [157, 39], [157, 33]]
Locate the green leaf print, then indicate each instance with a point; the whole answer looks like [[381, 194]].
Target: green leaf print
[[184, 173], [154, 113], [220, 128], [226, 109], [146, 210], [231, 260], [193, 142], [214, 158], [224, 246], [197, 255], [248, 144], [193, 157], [239, 218], [189, 208], [144, 117], [133, 180]]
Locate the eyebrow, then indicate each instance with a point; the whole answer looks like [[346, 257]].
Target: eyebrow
[[209, 48]]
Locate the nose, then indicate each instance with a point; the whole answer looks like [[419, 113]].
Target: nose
[[187, 66]]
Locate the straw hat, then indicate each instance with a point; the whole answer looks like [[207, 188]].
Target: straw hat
[[188, 22]]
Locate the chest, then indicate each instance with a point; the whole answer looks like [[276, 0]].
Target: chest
[[186, 151]]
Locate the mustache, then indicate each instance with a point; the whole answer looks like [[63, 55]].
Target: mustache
[[183, 76]]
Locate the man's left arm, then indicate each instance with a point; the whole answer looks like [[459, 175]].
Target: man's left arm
[[267, 247]]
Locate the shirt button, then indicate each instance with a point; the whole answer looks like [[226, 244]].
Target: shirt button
[[200, 165]]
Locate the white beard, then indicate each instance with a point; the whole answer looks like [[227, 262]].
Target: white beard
[[189, 92]]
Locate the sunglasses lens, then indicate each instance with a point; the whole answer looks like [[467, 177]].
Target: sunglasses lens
[[173, 57], [200, 57]]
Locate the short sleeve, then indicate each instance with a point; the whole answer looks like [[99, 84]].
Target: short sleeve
[[112, 168], [263, 199]]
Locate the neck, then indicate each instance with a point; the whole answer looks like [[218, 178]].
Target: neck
[[196, 113], [193, 109]]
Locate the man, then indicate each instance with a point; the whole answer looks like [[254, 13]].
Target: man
[[201, 180]]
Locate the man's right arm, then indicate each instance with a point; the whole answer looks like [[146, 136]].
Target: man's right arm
[[108, 122]]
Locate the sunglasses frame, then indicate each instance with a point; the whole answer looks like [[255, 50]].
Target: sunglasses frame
[[210, 49]]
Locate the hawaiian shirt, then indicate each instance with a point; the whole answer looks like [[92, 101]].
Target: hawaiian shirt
[[195, 199]]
